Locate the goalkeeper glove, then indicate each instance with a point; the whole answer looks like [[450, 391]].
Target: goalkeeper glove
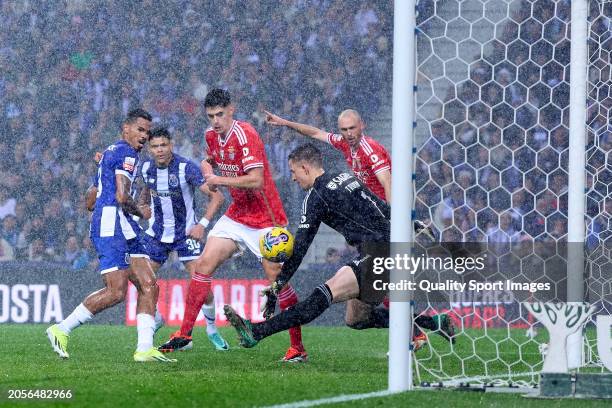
[[270, 295]]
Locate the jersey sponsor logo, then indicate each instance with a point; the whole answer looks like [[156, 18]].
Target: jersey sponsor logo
[[128, 164], [173, 180], [228, 167]]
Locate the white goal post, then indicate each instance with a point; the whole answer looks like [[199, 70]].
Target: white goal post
[[506, 145]]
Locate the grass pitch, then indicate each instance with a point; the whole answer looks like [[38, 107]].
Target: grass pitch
[[100, 371]]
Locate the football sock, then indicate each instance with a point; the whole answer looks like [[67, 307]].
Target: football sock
[[425, 322], [209, 314], [378, 318], [159, 320], [199, 287], [80, 315], [287, 298], [145, 324], [302, 313]]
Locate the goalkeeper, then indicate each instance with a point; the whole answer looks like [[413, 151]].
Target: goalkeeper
[[343, 203]]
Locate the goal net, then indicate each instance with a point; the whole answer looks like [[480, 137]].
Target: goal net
[[492, 148]]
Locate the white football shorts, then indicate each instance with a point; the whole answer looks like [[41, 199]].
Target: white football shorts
[[244, 236]]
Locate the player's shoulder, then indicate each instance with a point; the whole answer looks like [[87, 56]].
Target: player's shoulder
[[245, 132], [210, 134], [184, 160], [332, 181], [370, 145]]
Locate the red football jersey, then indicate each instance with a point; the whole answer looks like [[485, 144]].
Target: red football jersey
[[369, 159], [241, 151]]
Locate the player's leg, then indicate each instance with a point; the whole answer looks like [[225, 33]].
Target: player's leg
[[113, 257], [143, 278], [361, 315], [113, 292], [158, 253], [286, 299], [340, 288], [216, 251], [209, 314]]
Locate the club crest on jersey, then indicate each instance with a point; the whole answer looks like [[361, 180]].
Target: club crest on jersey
[[231, 152], [173, 181]]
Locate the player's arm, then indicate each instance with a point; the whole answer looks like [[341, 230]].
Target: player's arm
[[90, 197], [215, 201], [144, 202], [123, 196], [384, 177], [307, 230], [252, 180], [301, 128]]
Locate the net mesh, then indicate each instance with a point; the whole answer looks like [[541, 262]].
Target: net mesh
[[492, 141]]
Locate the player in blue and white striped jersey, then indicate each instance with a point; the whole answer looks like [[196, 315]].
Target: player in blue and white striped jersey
[[114, 235], [170, 184]]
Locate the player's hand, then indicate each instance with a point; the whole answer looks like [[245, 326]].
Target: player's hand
[[206, 167], [270, 294], [212, 180], [197, 232], [421, 228], [274, 120], [146, 211], [97, 157]]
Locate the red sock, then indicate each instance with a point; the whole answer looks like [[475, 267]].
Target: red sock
[[287, 298], [199, 287]]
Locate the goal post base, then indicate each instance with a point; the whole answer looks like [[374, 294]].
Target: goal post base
[[579, 385]]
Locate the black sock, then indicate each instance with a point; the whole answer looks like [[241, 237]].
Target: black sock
[[425, 322], [297, 315], [378, 319]]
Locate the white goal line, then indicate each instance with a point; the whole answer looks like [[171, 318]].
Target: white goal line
[[332, 400]]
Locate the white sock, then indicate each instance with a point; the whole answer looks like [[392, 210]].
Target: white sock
[[79, 316], [209, 314], [145, 323], [159, 320]]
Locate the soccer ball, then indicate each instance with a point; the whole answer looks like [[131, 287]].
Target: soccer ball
[[276, 245]]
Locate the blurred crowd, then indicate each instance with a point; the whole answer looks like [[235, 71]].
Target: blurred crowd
[[69, 74], [493, 165]]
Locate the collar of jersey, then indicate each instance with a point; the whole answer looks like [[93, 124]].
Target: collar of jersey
[[354, 153], [223, 142]]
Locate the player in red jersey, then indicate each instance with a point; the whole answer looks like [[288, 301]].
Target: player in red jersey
[[236, 150], [365, 156], [371, 164]]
